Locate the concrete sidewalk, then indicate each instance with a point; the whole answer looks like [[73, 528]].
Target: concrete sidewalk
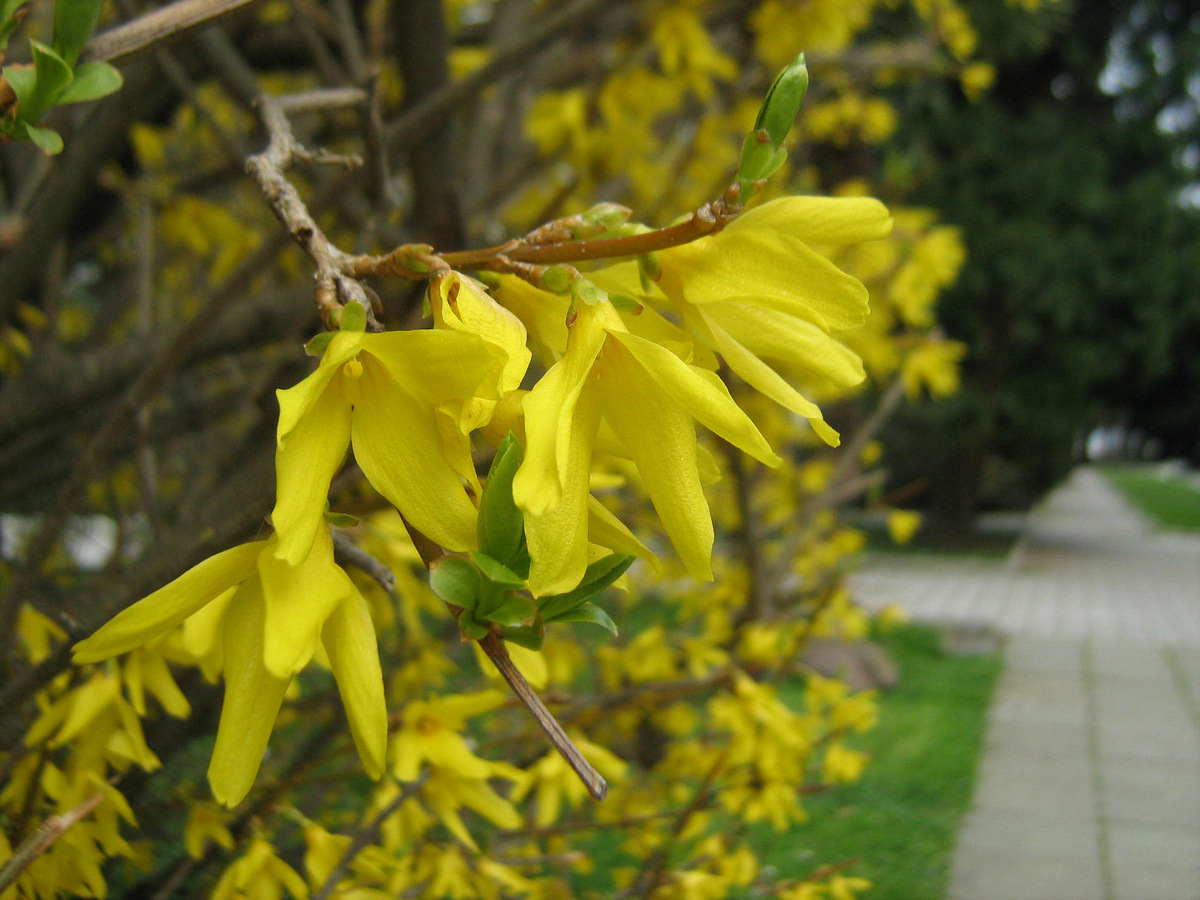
[[1089, 787]]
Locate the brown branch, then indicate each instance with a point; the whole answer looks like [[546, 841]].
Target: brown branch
[[160, 27], [334, 287], [43, 839], [493, 646]]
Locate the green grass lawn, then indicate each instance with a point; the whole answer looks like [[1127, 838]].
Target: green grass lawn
[[1172, 502], [899, 821]]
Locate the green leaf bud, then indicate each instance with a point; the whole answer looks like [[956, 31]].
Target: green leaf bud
[[782, 103], [496, 572], [456, 580], [353, 317], [607, 216], [586, 292], [559, 278], [318, 343], [626, 302], [514, 611], [756, 156], [649, 269], [501, 527], [530, 636]]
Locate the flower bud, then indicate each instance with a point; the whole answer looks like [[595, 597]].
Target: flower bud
[[782, 104]]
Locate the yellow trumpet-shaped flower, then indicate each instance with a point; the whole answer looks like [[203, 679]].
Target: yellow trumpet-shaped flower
[[762, 298], [649, 397], [403, 400], [275, 616]]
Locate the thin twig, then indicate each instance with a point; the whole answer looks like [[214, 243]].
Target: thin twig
[[157, 28], [493, 646], [43, 839]]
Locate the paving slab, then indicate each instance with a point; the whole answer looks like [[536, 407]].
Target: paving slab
[[1089, 784]]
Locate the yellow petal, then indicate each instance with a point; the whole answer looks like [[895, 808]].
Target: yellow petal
[[660, 439], [438, 366], [298, 600], [252, 699], [349, 639], [549, 419], [170, 605], [544, 316], [796, 344], [398, 445], [306, 460], [558, 537], [821, 221], [608, 531], [295, 402], [763, 378], [698, 392], [461, 304], [773, 268], [161, 684]]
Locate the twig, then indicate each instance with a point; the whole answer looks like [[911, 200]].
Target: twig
[[43, 839], [348, 553], [334, 288], [157, 28], [493, 646]]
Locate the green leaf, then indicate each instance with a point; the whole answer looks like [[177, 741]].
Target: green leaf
[[529, 636], [456, 580], [74, 21], [53, 77], [341, 520], [496, 572], [501, 525], [589, 612], [47, 139], [317, 344], [598, 576], [93, 80], [514, 611], [23, 80], [9, 20]]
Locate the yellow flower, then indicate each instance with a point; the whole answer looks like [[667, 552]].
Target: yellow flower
[[762, 298], [431, 730], [275, 618], [402, 399], [648, 398], [902, 524], [260, 873], [933, 365], [552, 781]]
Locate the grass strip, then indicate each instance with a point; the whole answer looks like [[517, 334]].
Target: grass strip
[[900, 819], [1171, 501]]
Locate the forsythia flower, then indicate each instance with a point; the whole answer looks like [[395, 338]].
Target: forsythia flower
[[403, 400], [761, 297], [649, 397], [274, 617]]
